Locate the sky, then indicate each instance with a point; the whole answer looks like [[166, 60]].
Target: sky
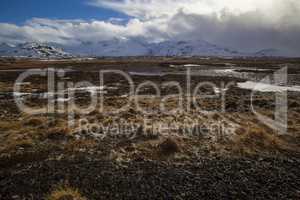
[[19, 11], [247, 25]]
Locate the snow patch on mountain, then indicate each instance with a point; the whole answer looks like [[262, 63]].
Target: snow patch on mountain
[[113, 48], [32, 50], [190, 48], [138, 47]]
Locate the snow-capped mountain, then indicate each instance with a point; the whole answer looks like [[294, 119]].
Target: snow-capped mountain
[[191, 48], [32, 50], [115, 47], [6, 49], [136, 47], [128, 47]]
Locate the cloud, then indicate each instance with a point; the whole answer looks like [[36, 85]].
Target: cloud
[[74, 31], [247, 25], [246, 32], [146, 9], [62, 31]]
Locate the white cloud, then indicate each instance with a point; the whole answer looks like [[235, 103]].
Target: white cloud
[[246, 25], [145, 9], [61, 31], [73, 31]]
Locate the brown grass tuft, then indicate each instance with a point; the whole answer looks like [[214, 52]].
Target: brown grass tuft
[[57, 133], [65, 193], [9, 126], [169, 146], [35, 122], [77, 145]]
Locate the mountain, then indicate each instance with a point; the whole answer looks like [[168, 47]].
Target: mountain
[[114, 48], [135, 47], [32, 50], [128, 47], [191, 48], [270, 53]]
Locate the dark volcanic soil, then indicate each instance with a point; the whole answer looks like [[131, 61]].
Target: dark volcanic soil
[[206, 178]]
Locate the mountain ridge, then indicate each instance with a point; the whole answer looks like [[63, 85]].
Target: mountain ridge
[[32, 50], [126, 48]]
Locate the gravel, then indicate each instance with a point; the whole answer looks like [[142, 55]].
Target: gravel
[[205, 178]]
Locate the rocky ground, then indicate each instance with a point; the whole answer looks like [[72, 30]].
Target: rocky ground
[[204, 178]]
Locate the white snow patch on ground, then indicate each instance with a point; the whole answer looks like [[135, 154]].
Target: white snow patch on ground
[[91, 89], [225, 71], [20, 94], [220, 90], [23, 83], [191, 65], [61, 100], [264, 87], [146, 74]]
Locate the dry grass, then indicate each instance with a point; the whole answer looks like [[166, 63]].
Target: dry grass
[[79, 145], [65, 193], [258, 139], [9, 125], [57, 133], [13, 145], [35, 122]]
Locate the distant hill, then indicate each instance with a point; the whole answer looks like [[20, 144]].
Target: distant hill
[[32, 50]]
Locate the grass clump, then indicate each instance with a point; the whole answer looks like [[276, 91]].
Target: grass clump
[[65, 193], [169, 146], [57, 133]]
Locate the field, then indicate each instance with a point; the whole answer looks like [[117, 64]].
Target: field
[[190, 129]]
